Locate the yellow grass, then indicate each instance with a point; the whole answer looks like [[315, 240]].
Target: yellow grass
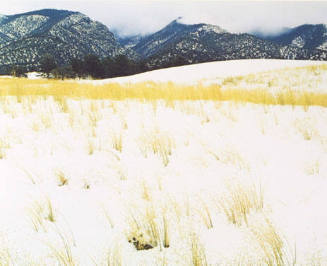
[[62, 178], [233, 91], [155, 224], [63, 251], [114, 257], [148, 229], [159, 143], [4, 144], [39, 213], [198, 252], [271, 244], [240, 201]]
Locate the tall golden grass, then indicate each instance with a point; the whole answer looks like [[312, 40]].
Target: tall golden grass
[[151, 91]]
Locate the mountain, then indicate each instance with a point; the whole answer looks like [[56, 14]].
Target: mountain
[[305, 36], [173, 32], [204, 42], [25, 38], [2, 17], [130, 41]]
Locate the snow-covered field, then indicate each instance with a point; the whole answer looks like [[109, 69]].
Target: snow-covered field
[[104, 182], [211, 72]]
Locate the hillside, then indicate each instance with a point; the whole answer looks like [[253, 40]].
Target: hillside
[[305, 36], [211, 72], [25, 38], [204, 43]]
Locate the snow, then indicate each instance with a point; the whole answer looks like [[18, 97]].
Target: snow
[[299, 42], [191, 74], [23, 25], [34, 75], [214, 149]]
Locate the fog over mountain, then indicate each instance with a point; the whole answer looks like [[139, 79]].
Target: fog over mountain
[[27, 38], [144, 17]]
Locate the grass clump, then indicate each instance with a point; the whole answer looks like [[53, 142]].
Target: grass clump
[[62, 252], [306, 128], [5, 257], [4, 145], [40, 212], [158, 143], [114, 256], [197, 252], [270, 242], [62, 178], [148, 230], [239, 201], [117, 142], [206, 215]]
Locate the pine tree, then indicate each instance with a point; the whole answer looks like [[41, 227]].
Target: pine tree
[[47, 64]]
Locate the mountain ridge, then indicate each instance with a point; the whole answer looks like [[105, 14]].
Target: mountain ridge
[[308, 36], [26, 37], [196, 43]]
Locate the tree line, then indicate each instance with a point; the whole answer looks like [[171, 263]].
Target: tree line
[[91, 66]]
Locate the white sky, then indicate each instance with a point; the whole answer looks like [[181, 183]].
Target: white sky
[[133, 17]]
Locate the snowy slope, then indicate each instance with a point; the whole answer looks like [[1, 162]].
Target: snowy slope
[[212, 71], [25, 38], [65, 186], [87, 182]]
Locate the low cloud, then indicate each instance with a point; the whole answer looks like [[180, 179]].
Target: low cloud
[[142, 17]]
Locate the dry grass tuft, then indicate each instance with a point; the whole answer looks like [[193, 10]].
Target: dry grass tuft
[[148, 230], [240, 200], [4, 145], [62, 103], [8, 255], [270, 243], [5, 257], [198, 253], [40, 212], [63, 251], [158, 143], [146, 194], [117, 142], [114, 257], [306, 128], [31, 176], [206, 215], [62, 178]]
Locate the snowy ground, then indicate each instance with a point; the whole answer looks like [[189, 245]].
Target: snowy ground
[[101, 182], [211, 72]]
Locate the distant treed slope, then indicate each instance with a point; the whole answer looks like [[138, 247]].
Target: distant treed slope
[[198, 47], [129, 41], [152, 44], [304, 36], [25, 38], [203, 43]]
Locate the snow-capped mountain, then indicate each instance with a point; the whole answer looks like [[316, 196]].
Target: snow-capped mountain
[[173, 32], [203, 43], [305, 36], [25, 38]]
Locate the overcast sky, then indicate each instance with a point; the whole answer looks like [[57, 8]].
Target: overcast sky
[[134, 17]]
